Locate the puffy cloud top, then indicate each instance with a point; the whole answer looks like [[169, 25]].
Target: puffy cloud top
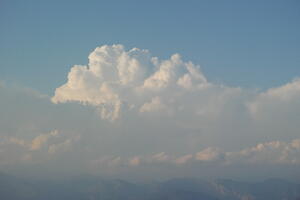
[[115, 78]]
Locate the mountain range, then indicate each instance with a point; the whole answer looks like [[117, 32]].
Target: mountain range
[[94, 188]]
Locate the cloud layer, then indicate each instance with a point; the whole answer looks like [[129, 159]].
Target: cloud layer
[[127, 112], [274, 152]]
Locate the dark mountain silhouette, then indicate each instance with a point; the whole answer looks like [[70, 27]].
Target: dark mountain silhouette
[[93, 188]]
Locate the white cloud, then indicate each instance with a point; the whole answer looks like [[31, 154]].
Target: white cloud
[[275, 100], [36, 143], [170, 72], [269, 152], [209, 154], [63, 146], [115, 78], [41, 140], [153, 106], [38, 148], [184, 159], [274, 152]]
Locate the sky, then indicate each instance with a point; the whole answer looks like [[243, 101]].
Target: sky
[[150, 89], [235, 42]]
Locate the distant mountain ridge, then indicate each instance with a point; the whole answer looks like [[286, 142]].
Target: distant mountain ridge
[[94, 188]]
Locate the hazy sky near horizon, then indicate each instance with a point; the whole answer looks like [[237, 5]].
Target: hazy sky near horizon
[[141, 89]]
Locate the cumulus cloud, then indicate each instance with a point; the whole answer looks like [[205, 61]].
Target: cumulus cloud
[[274, 152], [40, 140], [36, 143], [184, 159], [277, 99], [269, 152], [63, 146], [37, 149], [154, 105], [116, 78], [209, 154]]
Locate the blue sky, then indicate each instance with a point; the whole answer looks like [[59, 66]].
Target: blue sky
[[252, 44]]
